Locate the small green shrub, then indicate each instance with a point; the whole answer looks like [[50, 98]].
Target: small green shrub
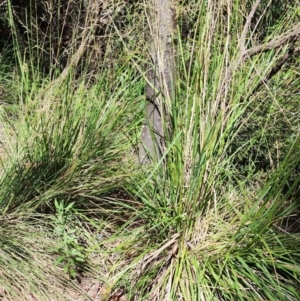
[[71, 253]]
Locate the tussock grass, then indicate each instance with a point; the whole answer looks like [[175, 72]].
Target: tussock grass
[[212, 233], [74, 145]]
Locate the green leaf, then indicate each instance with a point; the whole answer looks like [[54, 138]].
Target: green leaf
[[69, 207], [80, 259], [66, 268], [75, 252], [59, 260], [72, 272], [71, 261]]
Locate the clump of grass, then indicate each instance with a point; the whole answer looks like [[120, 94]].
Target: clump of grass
[[212, 234], [72, 144], [70, 139], [60, 142]]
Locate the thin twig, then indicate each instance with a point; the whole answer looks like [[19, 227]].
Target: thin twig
[[247, 25], [152, 256], [3, 3]]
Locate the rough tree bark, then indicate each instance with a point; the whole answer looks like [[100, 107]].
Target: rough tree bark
[[160, 78]]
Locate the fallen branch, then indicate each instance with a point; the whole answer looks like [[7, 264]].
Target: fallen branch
[[273, 44]]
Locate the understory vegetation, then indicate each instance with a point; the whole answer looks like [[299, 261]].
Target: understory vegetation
[[216, 217]]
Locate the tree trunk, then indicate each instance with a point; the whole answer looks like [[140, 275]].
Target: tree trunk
[[160, 78]]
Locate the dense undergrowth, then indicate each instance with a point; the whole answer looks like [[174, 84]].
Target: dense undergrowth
[[216, 218]]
